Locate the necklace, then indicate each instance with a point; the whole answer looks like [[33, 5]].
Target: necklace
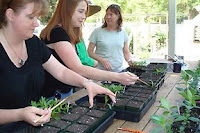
[[21, 61]]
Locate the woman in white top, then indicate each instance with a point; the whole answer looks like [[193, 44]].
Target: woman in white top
[[110, 42]]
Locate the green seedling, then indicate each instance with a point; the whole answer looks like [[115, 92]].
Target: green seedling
[[139, 63], [159, 70], [152, 83], [185, 118], [115, 89], [49, 103]]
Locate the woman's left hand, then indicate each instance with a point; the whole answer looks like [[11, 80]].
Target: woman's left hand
[[95, 63], [94, 89], [30, 114]]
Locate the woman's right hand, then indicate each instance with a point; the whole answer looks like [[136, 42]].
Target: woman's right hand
[[126, 79], [31, 113], [93, 89], [106, 64]]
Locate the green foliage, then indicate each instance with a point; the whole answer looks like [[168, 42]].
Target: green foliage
[[160, 40], [190, 97], [152, 84], [190, 93], [140, 63], [190, 79], [131, 45], [135, 7], [185, 117], [45, 103], [156, 7], [128, 31], [167, 118], [144, 54], [159, 70], [115, 89], [52, 6]]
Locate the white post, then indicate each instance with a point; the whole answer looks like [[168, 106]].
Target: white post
[[172, 27]]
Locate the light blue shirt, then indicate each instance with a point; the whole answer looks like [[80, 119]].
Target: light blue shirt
[[109, 45]]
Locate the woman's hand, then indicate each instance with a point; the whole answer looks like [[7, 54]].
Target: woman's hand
[[94, 89], [126, 79], [131, 63], [95, 63], [106, 64], [30, 114]]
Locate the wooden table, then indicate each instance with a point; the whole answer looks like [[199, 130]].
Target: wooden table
[[168, 90]]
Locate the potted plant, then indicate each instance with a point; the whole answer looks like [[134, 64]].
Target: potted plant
[[187, 117], [166, 119]]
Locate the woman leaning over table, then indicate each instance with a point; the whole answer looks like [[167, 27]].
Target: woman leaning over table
[[23, 58], [110, 42], [64, 31]]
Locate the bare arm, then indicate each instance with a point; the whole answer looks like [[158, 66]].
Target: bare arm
[[63, 74], [68, 55], [91, 53], [106, 64], [67, 76], [28, 114], [127, 53], [7, 116]]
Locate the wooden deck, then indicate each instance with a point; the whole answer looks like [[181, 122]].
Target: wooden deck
[[168, 90]]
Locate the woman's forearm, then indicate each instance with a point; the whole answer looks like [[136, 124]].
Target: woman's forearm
[[72, 78], [9, 115], [97, 74]]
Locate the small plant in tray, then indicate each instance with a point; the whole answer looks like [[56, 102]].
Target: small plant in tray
[[49, 103], [159, 70], [138, 64], [115, 89]]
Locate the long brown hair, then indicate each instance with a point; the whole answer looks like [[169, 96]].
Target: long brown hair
[[40, 6], [63, 15], [116, 10]]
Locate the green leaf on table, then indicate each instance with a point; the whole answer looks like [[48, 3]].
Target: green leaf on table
[[165, 103]]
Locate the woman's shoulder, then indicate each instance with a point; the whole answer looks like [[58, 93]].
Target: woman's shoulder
[[58, 29], [33, 39], [58, 33], [35, 42], [98, 29], [122, 29], [36, 47]]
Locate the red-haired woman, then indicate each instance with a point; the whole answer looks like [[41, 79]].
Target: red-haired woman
[[61, 35]]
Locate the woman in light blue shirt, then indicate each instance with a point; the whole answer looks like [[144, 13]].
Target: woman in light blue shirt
[[110, 42]]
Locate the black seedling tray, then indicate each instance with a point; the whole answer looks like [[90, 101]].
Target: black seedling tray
[[108, 122], [134, 116]]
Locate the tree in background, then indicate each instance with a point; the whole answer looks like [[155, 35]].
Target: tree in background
[[138, 7], [186, 6], [52, 5]]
